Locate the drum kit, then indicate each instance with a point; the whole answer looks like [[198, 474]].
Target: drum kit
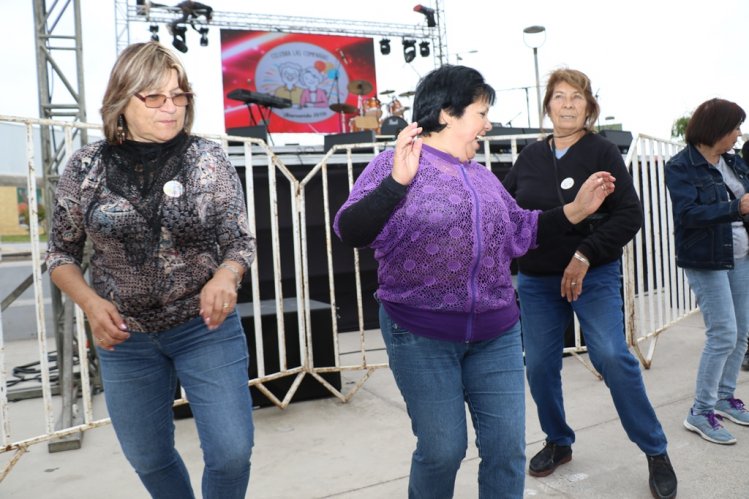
[[369, 113]]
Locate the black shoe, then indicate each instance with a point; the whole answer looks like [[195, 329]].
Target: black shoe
[[745, 363], [662, 477], [546, 461]]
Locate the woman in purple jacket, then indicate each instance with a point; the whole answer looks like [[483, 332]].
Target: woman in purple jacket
[[444, 231]]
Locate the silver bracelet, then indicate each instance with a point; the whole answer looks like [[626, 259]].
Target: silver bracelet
[[582, 258], [234, 271]]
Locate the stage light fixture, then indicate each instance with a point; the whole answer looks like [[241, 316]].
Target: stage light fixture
[[179, 42], [428, 13], [154, 29], [409, 50], [203, 36], [385, 46], [424, 49]]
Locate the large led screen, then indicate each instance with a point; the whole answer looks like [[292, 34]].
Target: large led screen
[[328, 80]]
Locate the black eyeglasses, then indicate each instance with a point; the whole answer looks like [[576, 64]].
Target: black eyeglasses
[[158, 100]]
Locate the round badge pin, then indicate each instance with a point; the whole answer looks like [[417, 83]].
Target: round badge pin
[[173, 189], [568, 183]]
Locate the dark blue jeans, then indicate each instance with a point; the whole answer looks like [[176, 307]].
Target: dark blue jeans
[[140, 380], [545, 315], [437, 379]]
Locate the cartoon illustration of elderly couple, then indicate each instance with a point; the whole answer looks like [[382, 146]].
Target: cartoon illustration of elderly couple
[[301, 85]]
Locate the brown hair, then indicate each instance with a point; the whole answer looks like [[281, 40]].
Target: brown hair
[[140, 66], [581, 82], [713, 120]]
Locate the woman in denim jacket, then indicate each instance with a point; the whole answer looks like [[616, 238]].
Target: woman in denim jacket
[[709, 190]]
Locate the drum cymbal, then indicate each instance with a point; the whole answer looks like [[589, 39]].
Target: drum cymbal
[[359, 87], [387, 92], [343, 108], [407, 94]]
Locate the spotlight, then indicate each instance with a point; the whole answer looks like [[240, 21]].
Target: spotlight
[[424, 49], [429, 13], [409, 50], [154, 29], [179, 42], [203, 36], [384, 46]]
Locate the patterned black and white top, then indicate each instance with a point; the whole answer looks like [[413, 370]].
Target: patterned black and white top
[[201, 221]]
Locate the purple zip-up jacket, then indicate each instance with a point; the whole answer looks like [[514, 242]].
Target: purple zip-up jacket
[[447, 246]]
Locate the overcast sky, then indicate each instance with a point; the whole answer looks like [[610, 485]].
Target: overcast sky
[[650, 61]]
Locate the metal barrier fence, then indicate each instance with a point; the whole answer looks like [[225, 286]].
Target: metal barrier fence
[[656, 293]]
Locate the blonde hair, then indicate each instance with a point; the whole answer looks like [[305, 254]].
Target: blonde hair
[[140, 66], [580, 82]]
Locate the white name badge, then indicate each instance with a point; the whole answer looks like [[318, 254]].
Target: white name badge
[[568, 183], [173, 189]]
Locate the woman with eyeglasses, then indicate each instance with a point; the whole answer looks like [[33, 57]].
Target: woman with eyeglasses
[[165, 213]]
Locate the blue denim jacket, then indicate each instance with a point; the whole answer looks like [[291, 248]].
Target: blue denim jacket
[[703, 211]]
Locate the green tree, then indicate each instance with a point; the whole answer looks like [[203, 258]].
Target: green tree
[[679, 128], [40, 210]]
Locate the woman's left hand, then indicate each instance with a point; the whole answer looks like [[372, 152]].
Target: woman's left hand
[[407, 151], [590, 196], [572, 279], [218, 299]]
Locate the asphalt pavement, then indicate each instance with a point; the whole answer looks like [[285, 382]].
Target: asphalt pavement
[[361, 449]]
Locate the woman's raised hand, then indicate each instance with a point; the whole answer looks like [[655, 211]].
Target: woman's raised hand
[[407, 151], [590, 196]]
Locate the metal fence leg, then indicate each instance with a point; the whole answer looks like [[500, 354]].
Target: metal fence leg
[[70, 415]]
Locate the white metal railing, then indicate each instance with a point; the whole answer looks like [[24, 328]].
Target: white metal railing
[[656, 293]]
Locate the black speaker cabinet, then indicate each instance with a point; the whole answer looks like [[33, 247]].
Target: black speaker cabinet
[[317, 221], [322, 349], [621, 138], [253, 132], [363, 137]]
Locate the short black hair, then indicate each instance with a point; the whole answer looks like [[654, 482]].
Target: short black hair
[[713, 120], [452, 88]]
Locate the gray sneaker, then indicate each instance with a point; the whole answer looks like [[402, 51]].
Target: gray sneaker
[[707, 425], [734, 410]]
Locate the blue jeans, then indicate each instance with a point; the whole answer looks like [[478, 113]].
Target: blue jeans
[[437, 378], [723, 297], [545, 315], [140, 379]]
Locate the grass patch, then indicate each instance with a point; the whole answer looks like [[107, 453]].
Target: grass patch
[[21, 238]]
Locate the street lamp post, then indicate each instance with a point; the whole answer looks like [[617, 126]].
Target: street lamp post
[[534, 37]]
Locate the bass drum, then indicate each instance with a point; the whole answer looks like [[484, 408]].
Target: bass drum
[[360, 123], [392, 125]]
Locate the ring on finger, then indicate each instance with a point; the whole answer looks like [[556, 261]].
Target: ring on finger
[[573, 283], [225, 305]]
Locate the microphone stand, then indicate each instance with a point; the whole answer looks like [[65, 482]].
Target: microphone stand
[[336, 79]]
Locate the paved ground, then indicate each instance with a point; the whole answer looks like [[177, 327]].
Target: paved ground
[[361, 450]]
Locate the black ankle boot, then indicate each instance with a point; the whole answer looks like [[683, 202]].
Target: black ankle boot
[[549, 458], [662, 477]]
